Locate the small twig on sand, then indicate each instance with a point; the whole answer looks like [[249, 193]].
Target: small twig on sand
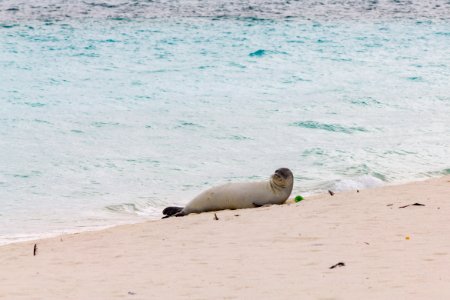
[[415, 204], [215, 217], [331, 192], [35, 250], [339, 264]]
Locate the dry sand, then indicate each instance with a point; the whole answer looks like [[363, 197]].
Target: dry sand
[[278, 252]]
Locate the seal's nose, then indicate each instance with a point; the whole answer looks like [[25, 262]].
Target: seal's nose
[[279, 173]]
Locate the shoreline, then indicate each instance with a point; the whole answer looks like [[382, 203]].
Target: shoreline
[[387, 246], [308, 195]]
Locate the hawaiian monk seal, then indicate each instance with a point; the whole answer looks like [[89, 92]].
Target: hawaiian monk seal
[[239, 195]]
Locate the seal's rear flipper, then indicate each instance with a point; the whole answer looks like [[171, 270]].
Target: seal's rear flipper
[[171, 210], [180, 214]]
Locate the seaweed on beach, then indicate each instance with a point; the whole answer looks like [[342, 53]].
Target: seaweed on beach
[[414, 204]]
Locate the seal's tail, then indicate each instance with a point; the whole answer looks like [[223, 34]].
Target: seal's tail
[[171, 210]]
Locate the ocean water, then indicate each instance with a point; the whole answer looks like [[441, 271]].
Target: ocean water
[[112, 110]]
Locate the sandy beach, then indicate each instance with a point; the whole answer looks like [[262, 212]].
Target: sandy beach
[[381, 250]]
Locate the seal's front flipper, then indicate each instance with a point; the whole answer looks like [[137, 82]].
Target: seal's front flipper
[[262, 205], [171, 210]]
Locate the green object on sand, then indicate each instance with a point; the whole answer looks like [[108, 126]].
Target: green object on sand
[[298, 198]]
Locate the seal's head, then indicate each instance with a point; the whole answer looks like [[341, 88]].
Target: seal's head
[[283, 177]]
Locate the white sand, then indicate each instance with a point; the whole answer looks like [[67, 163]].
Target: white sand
[[278, 252]]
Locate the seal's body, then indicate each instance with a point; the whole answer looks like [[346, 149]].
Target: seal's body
[[239, 195]]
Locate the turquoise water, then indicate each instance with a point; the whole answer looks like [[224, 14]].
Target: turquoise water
[[104, 121]]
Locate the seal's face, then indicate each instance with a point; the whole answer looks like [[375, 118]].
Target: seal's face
[[283, 177]]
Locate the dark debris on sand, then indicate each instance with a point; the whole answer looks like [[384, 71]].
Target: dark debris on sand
[[414, 204], [339, 264]]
